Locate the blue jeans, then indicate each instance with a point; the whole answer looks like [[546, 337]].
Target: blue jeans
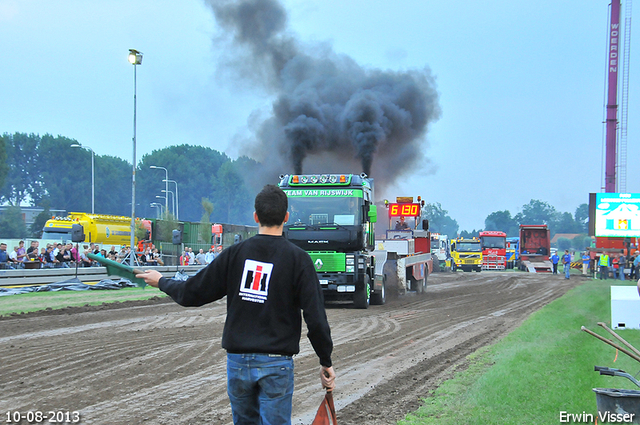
[[260, 388], [567, 270]]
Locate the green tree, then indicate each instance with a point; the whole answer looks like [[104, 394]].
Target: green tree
[[580, 242], [232, 200], [582, 217], [565, 223], [536, 212], [563, 243], [439, 220], [11, 223], [112, 186], [472, 234], [205, 231], [4, 165], [23, 180], [192, 167], [66, 173], [502, 221], [39, 222]]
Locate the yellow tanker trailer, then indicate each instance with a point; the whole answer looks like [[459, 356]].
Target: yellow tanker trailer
[[98, 228]]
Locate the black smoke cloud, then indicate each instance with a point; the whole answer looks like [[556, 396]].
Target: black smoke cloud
[[329, 114]]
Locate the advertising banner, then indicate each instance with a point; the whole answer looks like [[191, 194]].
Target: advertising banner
[[617, 214]]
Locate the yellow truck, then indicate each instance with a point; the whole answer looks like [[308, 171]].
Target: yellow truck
[[466, 254], [98, 228]]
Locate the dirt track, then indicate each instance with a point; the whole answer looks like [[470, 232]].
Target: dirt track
[[162, 364]]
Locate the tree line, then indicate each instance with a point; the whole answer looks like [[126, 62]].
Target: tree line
[[535, 212], [46, 171]]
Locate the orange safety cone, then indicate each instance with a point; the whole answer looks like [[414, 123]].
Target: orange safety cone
[[326, 412]]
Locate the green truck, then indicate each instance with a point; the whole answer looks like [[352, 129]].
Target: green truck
[[332, 216]]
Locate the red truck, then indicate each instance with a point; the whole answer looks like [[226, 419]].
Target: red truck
[[535, 246], [494, 250]]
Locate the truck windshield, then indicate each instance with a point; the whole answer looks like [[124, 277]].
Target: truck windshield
[[493, 242], [344, 211], [468, 247], [66, 236]]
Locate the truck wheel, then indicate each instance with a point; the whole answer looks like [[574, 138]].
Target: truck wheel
[[362, 297], [380, 298]]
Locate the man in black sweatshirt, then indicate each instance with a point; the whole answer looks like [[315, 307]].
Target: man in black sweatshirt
[[267, 281]]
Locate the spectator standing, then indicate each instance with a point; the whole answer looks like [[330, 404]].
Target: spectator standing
[[21, 252], [622, 263], [554, 260], [74, 253], [566, 262], [636, 265], [192, 256], [184, 259], [268, 282], [209, 256], [200, 258], [585, 263], [614, 266], [604, 266]]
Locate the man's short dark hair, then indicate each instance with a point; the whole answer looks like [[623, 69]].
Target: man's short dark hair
[[271, 206]]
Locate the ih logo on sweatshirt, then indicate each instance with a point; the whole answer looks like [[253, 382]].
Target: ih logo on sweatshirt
[[255, 281]]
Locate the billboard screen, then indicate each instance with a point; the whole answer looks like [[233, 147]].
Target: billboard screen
[[617, 214]]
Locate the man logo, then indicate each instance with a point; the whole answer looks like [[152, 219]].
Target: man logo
[[254, 286], [318, 264]]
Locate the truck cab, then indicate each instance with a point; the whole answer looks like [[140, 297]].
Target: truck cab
[[332, 216], [466, 254]]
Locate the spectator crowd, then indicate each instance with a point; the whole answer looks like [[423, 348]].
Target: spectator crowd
[[67, 255]]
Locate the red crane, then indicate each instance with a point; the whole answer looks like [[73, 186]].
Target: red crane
[[617, 58], [612, 99]]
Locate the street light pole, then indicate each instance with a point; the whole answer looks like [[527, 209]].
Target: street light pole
[[166, 184], [93, 174], [177, 201], [173, 201], [135, 59], [159, 206]]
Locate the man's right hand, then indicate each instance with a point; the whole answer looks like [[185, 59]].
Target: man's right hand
[[328, 378], [151, 277]]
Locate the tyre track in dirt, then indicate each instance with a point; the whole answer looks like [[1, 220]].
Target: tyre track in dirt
[[163, 364]]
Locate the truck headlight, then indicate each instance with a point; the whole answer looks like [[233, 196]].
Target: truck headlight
[[350, 269], [350, 261]]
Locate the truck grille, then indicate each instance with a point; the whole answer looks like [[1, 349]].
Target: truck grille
[[330, 261]]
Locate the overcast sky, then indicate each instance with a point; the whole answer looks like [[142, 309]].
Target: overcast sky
[[521, 86]]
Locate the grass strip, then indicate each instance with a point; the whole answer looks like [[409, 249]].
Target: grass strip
[[34, 301], [541, 369]]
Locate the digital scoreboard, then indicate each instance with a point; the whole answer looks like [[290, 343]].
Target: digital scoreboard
[[404, 210]]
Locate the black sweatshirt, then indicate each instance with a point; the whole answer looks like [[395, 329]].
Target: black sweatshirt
[[267, 281]]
